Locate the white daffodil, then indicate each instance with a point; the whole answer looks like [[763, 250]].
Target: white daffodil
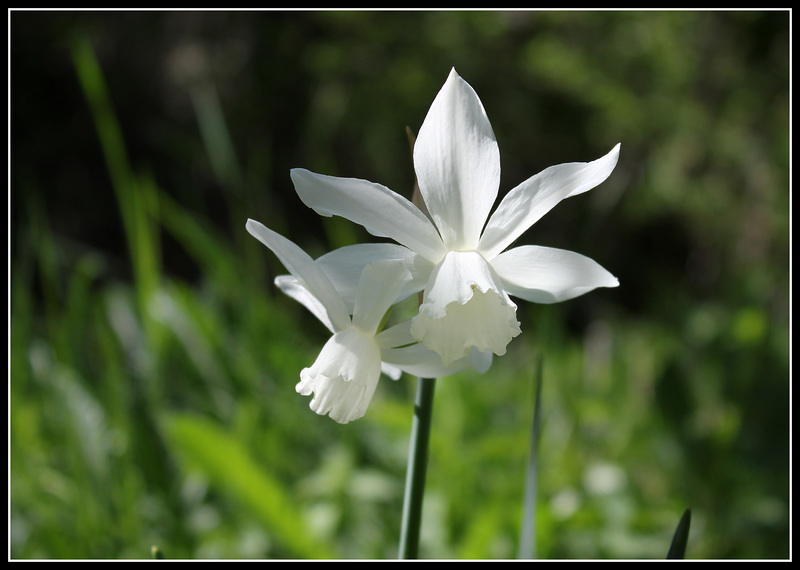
[[345, 374], [465, 273]]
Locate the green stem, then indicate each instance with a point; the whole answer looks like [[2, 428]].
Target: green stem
[[417, 464], [527, 543]]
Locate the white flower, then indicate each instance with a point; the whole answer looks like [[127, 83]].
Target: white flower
[[465, 274], [345, 374]]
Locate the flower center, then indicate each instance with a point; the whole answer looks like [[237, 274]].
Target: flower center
[[465, 306], [344, 376]]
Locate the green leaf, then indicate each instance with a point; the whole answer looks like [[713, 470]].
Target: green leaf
[[136, 196], [527, 543], [230, 468], [678, 547]]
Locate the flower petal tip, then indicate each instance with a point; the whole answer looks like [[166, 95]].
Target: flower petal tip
[[251, 225]]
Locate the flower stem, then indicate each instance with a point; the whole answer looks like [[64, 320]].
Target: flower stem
[[417, 464]]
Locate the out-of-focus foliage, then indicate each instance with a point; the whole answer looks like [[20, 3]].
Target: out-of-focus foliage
[[152, 366]]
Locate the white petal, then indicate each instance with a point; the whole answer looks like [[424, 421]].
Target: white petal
[[465, 306], [418, 360], [457, 162], [396, 336], [344, 376], [378, 288], [381, 211], [481, 361], [403, 350], [343, 267], [391, 371], [528, 202], [549, 275], [302, 266], [292, 288]]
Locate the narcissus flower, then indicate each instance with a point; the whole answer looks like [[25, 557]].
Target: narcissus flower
[[458, 253], [345, 374]]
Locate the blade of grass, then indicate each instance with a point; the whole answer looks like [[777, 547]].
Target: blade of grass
[[677, 549], [231, 469], [202, 242], [527, 542], [135, 197], [216, 137]]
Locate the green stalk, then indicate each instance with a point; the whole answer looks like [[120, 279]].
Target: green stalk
[[137, 197], [417, 464], [677, 549], [527, 543]]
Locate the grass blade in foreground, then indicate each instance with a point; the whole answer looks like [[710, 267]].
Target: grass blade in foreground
[[677, 549], [230, 468], [527, 541]]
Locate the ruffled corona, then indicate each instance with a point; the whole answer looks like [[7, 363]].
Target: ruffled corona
[[344, 376], [465, 307]]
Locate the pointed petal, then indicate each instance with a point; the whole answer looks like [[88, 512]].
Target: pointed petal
[[549, 275], [311, 276], [381, 211], [291, 287], [532, 199], [378, 288], [457, 162], [391, 371], [343, 267]]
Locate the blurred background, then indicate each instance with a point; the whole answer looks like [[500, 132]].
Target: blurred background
[[152, 364]]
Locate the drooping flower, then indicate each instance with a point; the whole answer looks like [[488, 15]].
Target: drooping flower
[[459, 252], [345, 374]]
